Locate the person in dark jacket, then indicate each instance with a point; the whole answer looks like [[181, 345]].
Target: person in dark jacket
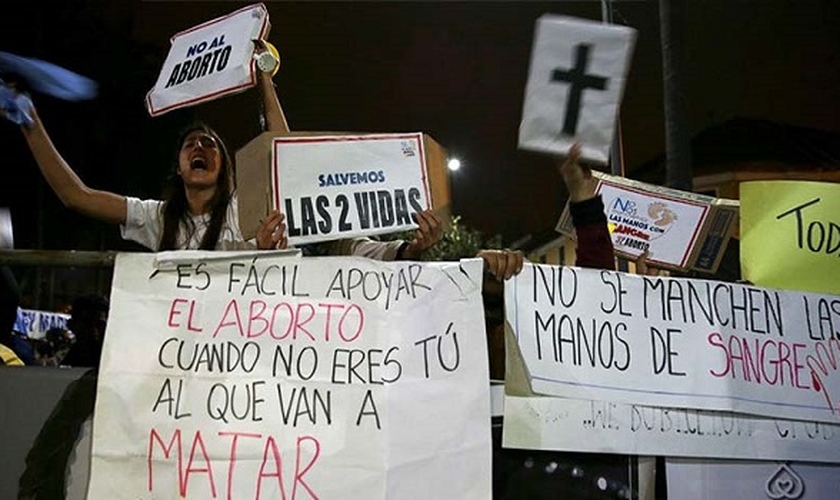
[[88, 317]]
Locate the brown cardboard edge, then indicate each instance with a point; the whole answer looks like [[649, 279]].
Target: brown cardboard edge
[[714, 204], [253, 208], [726, 237], [517, 380]]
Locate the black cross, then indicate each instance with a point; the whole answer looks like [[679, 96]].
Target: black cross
[[579, 81]]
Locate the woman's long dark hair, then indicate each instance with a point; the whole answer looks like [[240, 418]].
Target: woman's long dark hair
[[176, 209]]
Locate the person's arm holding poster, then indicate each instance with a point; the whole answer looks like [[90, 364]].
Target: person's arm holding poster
[[594, 243], [268, 64], [429, 232], [70, 189], [502, 264], [203, 181], [273, 118], [430, 228]]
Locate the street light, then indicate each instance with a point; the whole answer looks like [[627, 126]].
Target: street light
[[454, 164]]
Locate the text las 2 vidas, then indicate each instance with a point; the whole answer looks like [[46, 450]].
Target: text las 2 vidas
[[375, 209]]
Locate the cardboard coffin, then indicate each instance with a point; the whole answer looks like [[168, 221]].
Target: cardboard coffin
[[254, 187], [680, 230]]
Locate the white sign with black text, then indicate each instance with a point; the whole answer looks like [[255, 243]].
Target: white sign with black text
[[677, 342], [575, 85], [209, 61], [271, 375], [332, 187]]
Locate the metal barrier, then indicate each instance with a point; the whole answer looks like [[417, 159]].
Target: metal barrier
[[47, 278]]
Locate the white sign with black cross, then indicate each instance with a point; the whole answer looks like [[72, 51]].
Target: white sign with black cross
[[575, 84]]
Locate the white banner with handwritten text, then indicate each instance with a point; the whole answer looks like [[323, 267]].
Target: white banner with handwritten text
[[268, 375], [560, 424], [677, 342]]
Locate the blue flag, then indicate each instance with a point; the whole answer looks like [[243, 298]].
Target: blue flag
[[48, 78]]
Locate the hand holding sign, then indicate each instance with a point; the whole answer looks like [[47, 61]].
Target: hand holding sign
[[577, 177], [575, 84], [272, 232], [267, 57], [14, 106], [429, 232]]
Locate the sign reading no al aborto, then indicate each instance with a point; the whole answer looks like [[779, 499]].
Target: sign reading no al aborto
[[209, 61]]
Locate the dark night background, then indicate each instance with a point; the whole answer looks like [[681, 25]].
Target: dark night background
[[455, 70]]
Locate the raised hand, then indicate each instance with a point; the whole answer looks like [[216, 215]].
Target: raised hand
[[578, 178], [14, 106], [272, 232], [645, 269], [502, 264], [429, 232]]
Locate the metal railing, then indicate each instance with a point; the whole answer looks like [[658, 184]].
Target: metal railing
[[46, 277], [57, 258]]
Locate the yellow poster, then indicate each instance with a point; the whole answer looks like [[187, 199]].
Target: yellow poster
[[790, 235]]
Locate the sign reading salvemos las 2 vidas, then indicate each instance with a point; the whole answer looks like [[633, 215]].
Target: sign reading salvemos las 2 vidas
[[332, 187]]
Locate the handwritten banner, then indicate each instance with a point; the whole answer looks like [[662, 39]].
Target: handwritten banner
[[790, 235], [551, 423], [268, 375], [332, 187], [675, 342], [209, 61]]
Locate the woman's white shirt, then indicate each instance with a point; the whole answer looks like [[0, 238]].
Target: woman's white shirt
[[144, 225]]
